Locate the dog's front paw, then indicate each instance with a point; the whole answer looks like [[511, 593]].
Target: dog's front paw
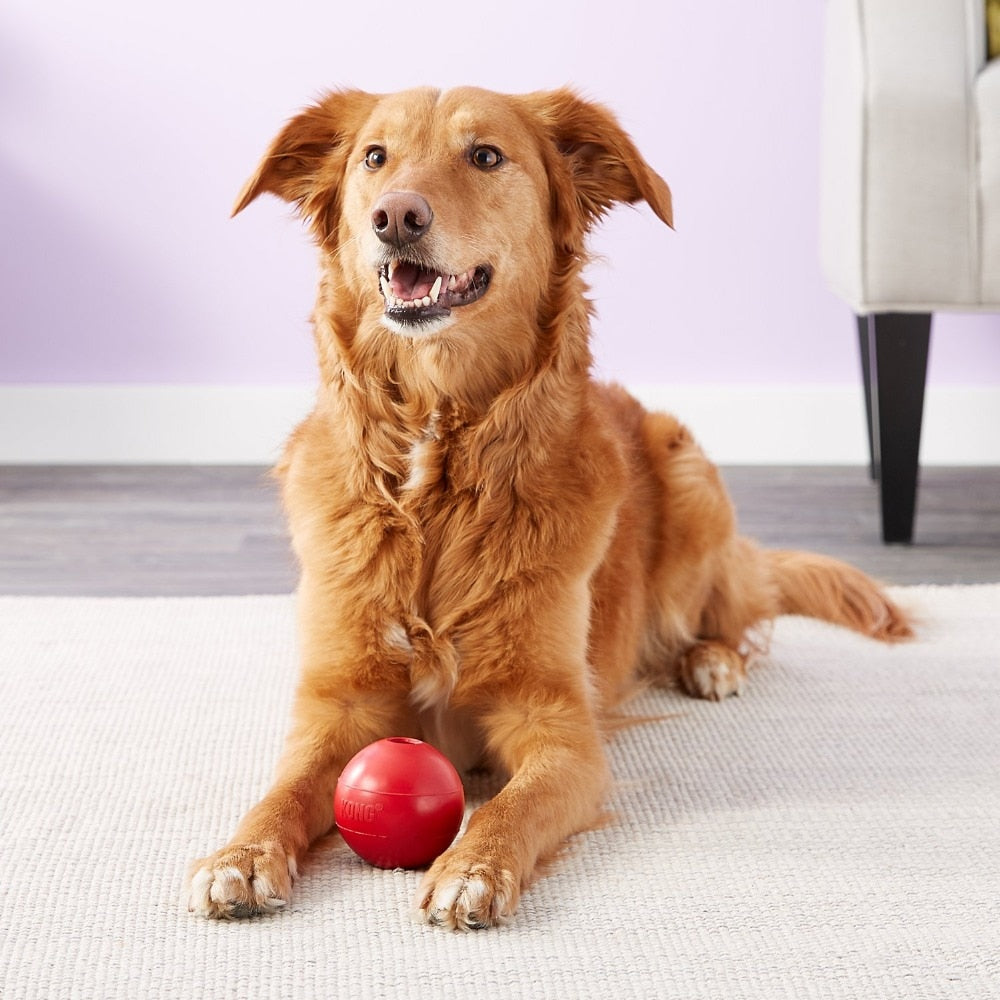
[[241, 881], [466, 897]]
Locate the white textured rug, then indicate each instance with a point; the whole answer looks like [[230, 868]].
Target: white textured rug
[[833, 833]]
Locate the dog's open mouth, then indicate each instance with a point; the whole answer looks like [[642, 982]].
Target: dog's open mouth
[[413, 293]]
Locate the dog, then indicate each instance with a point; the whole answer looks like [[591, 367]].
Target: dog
[[495, 549]]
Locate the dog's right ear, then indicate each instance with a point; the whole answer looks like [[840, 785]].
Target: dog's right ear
[[302, 166]]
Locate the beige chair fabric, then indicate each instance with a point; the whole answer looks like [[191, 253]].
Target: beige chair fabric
[[910, 215]]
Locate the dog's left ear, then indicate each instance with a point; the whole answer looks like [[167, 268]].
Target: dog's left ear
[[604, 165], [301, 164]]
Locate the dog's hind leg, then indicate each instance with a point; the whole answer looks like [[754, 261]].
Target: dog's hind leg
[[734, 623]]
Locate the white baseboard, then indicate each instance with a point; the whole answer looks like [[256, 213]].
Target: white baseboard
[[148, 424], [825, 425], [212, 424]]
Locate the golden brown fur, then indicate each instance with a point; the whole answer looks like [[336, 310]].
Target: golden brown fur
[[494, 547]]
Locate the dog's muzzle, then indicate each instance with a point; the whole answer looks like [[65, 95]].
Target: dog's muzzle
[[414, 288]]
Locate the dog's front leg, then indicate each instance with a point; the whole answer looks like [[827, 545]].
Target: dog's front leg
[[549, 742], [337, 711]]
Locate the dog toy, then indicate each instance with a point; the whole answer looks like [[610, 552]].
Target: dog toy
[[399, 803]]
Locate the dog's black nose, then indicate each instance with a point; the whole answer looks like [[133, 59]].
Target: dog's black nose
[[401, 217]]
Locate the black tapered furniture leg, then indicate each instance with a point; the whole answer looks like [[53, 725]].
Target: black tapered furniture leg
[[864, 342], [866, 379], [894, 364]]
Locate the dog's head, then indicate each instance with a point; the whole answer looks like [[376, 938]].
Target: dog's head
[[443, 209]]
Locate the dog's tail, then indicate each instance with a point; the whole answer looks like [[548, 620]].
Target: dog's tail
[[822, 587]]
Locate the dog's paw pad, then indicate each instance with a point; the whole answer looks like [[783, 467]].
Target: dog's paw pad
[[241, 881]]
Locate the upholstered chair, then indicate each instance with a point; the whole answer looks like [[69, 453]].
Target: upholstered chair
[[910, 206]]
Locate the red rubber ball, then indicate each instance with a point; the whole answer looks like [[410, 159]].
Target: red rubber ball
[[399, 803]]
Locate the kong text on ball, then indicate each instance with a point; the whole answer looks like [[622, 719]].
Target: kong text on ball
[[399, 803]]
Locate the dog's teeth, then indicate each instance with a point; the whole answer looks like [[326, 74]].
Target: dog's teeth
[[432, 297]]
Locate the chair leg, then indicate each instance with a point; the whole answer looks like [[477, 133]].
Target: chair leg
[[864, 343], [896, 373]]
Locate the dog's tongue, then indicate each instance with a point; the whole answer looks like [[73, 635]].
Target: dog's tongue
[[411, 282]]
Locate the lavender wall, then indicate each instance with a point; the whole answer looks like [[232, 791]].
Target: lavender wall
[[126, 130]]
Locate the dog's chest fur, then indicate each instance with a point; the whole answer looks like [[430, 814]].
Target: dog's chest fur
[[424, 458], [451, 582], [437, 497]]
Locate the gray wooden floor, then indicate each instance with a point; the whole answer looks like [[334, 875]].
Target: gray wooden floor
[[218, 530]]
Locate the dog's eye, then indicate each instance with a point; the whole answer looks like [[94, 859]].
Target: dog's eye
[[375, 157], [486, 157]]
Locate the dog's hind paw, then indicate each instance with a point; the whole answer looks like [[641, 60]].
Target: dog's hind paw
[[713, 671], [241, 881]]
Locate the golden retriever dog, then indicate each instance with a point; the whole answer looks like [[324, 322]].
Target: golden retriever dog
[[495, 549]]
